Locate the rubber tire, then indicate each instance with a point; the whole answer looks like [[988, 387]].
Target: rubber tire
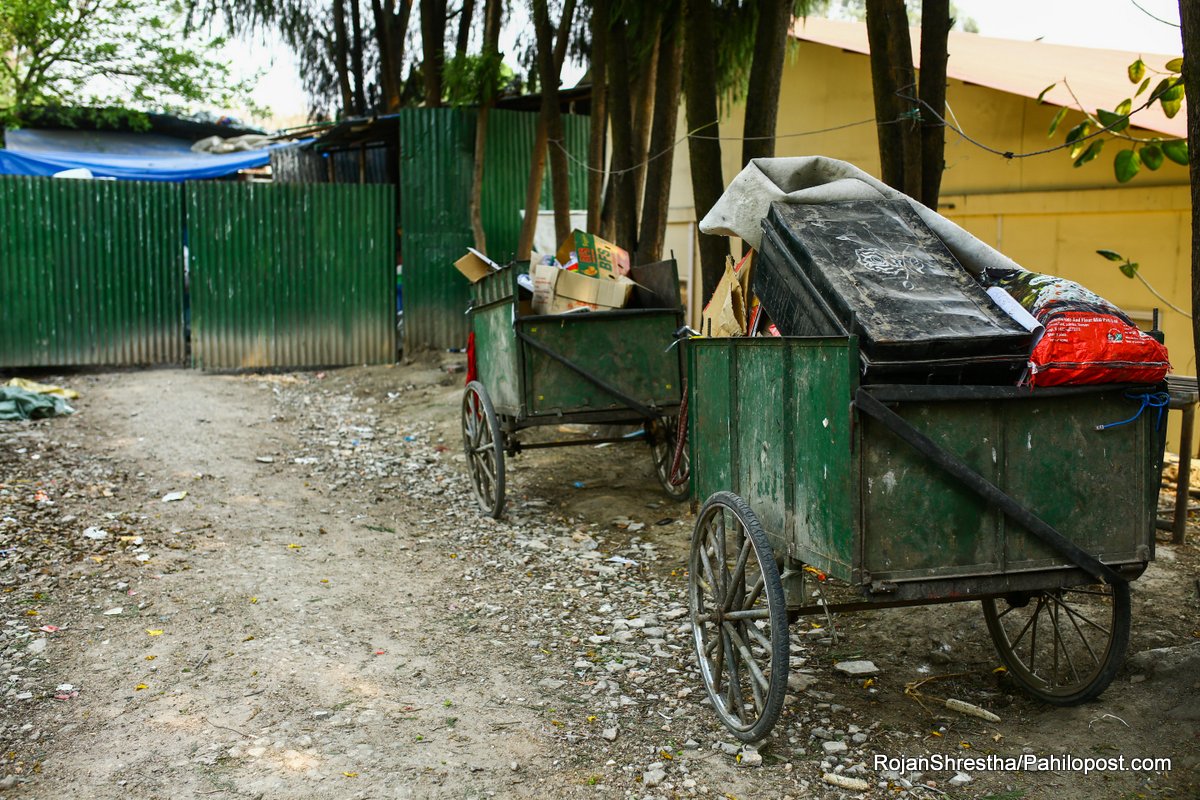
[[492, 506], [1093, 684], [778, 622], [662, 438]]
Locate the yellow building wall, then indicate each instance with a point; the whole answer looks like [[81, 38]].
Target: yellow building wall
[[1043, 212]]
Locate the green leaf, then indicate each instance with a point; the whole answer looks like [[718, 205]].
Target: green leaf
[[1162, 86], [1136, 70], [1174, 65], [1090, 153], [1115, 121], [1062, 112], [1152, 156], [1142, 88], [1123, 108], [1176, 150], [1111, 255], [1042, 93], [1129, 269], [1126, 165], [1075, 136], [1171, 106]]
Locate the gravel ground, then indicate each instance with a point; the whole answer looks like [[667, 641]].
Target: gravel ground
[[326, 614]]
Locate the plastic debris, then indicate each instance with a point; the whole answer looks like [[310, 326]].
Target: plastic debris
[[171, 497], [97, 534], [963, 707]]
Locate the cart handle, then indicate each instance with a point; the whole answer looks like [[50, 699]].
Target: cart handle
[[871, 406], [644, 410]]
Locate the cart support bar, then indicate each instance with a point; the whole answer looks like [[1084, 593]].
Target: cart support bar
[[589, 377], [871, 406]]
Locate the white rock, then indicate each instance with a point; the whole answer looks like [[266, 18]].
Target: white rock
[[98, 534], [960, 779], [856, 669], [749, 757], [653, 777], [834, 748], [37, 645], [171, 497], [112, 612], [609, 734]]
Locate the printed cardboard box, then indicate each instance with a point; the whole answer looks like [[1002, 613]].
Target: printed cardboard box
[[556, 291], [596, 256]]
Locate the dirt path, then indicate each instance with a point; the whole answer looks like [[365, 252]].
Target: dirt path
[[326, 615]]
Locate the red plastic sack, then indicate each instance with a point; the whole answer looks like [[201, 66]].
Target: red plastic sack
[[1087, 340], [1082, 347]]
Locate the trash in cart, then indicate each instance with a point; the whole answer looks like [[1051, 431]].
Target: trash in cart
[[840, 254]]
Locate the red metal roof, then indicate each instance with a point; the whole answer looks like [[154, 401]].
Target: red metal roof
[[1097, 77]]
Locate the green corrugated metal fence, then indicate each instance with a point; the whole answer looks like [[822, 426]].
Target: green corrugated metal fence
[[436, 164], [291, 275], [90, 273]]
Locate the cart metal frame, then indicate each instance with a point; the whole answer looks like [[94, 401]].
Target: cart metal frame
[[909, 495], [535, 370]]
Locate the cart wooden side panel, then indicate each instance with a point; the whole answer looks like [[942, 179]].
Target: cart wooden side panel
[[1092, 486], [627, 349], [771, 420]]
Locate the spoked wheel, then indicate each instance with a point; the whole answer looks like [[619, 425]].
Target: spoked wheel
[[664, 438], [483, 445], [739, 620], [1064, 646]]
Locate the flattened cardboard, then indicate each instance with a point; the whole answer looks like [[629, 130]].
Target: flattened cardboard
[[475, 265]]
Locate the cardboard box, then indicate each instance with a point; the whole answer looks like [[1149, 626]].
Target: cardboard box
[[556, 291], [475, 265], [597, 257]]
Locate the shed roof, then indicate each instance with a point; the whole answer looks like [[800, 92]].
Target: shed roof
[[1097, 77]]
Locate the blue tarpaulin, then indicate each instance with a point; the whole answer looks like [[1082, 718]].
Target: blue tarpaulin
[[184, 166]]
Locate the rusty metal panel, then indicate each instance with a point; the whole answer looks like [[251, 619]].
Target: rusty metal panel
[[90, 273], [290, 275]]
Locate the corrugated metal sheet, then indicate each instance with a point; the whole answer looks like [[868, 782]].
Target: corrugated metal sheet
[[436, 163], [436, 157], [90, 273], [291, 276]]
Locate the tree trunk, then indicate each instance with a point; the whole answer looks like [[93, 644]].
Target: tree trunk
[[537, 162], [599, 118], [656, 202], [548, 72], [356, 59], [766, 71], [433, 45], [619, 204], [935, 33], [492, 12], [891, 76], [1189, 18], [467, 16], [704, 149], [341, 48], [643, 115], [391, 28]]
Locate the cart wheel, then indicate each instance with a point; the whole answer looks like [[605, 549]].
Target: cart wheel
[[739, 620], [1064, 646], [484, 448], [664, 437]]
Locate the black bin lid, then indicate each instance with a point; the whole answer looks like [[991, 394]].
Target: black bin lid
[[882, 274]]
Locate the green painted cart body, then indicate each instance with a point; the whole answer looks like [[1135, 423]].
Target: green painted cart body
[[777, 427], [604, 368]]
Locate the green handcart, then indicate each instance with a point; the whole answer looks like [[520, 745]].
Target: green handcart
[[1030, 501], [601, 368]]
